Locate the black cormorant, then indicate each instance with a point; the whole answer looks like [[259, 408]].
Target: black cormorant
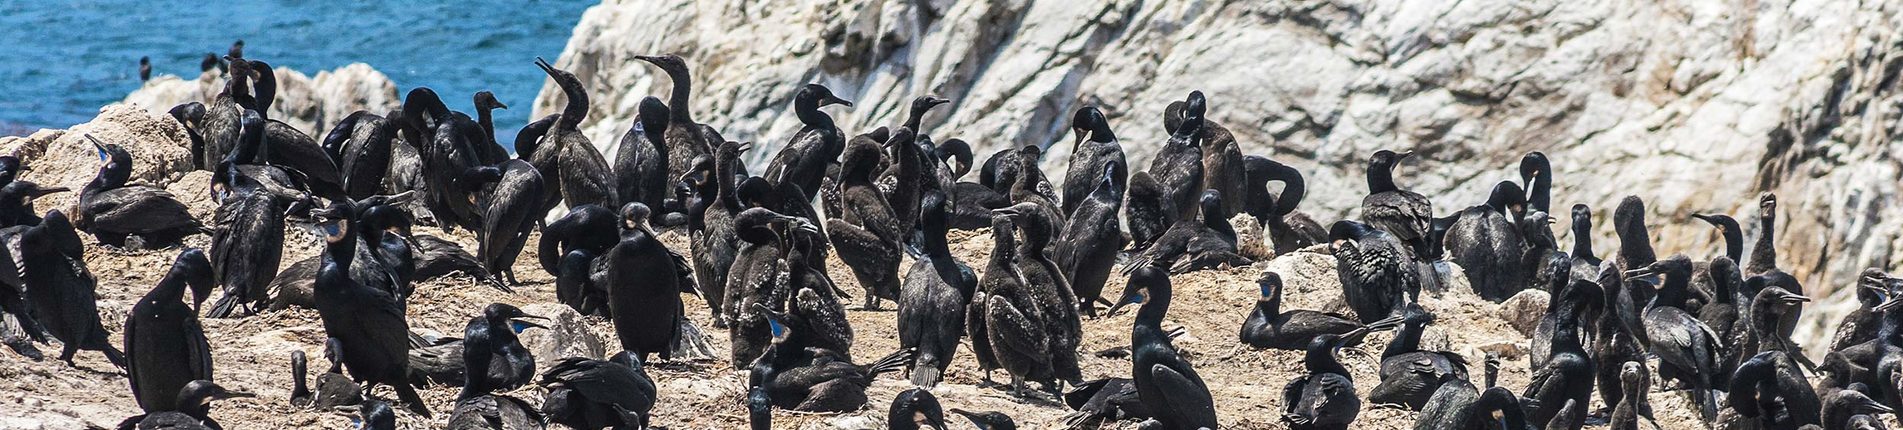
[[1536, 175], [592, 394], [647, 307], [932, 299], [1178, 165], [1148, 211], [584, 175], [164, 342], [915, 409], [1165, 383], [368, 322], [1485, 241], [867, 234], [1763, 256], [193, 411], [1377, 270], [685, 138], [1568, 374], [1005, 324], [509, 214], [1688, 351], [1194, 244], [52, 265], [112, 210], [1051, 291], [803, 161], [1402, 213], [1088, 247], [1634, 411], [1095, 148], [1288, 228], [1269, 327], [1409, 374], [640, 163], [1770, 390]]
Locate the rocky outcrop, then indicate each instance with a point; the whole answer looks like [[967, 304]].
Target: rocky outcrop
[[1694, 106], [310, 104], [161, 151]]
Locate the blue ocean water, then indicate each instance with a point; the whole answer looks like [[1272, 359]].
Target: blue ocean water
[[61, 60]]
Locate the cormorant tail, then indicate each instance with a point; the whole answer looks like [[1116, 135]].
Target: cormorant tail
[[891, 363]]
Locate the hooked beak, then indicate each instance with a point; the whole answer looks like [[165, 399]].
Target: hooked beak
[[546, 68], [1794, 298], [236, 394], [43, 192], [97, 146], [1641, 272], [648, 58], [1117, 307], [500, 105], [1403, 155], [835, 100], [1888, 304], [519, 324]]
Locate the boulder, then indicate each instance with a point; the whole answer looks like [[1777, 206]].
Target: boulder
[[567, 335]]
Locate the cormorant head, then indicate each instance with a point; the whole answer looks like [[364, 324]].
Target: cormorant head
[[634, 217], [667, 62], [1676, 266], [374, 415], [209, 62], [1532, 164], [925, 103], [558, 74], [958, 154], [499, 313], [701, 169], [1780, 297], [1507, 196], [1854, 402], [915, 408], [1270, 283], [197, 272], [10, 168], [333, 350], [1089, 123], [1584, 291], [1139, 288], [988, 420], [237, 49], [653, 114], [1629, 217], [486, 100], [1211, 203], [1767, 203], [821, 96], [880, 134], [1413, 313], [1582, 215], [1347, 231], [1028, 156], [335, 221], [27, 191], [1724, 223], [1386, 159], [202, 392], [1872, 287], [1194, 109], [775, 321]]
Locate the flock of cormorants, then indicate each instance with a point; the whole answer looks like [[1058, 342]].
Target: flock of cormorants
[[1719, 329]]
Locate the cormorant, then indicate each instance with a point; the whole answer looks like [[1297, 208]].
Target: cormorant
[[1873, 289], [248, 235], [640, 163], [1165, 383], [1194, 244], [447, 144], [1409, 374], [647, 309], [1269, 327], [484, 339], [1568, 374], [1005, 324], [1223, 167], [685, 138], [221, 124], [1771, 390], [932, 299], [1485, 240], [509, 214], [1842, 405], [1767, 327], [757, 279], [583, 174], [592, 394], [1377, 270], [61, 291], [1634, 411], [812, 379], [1148, 211], [436, 257], [1324, 397], [1178, 165], [867, 234], [1702, 278], [710, 224], [16, 202], [1289, 229], [569, 247], [1404, 214], [361, 146], [301, 395], [1722, 313], [1094, 150], [1088, 247], [1541, 254], [1585, 264], [368, 322], [1051, 292], [988, 420], [509, 364], [1536, 175], [1688, 350], [333, 388], [291, 149], [1764, 249], [803, 161], [193, 412], [166, 345], [374, 415], [112, 210], [915, 409], [145, 69]]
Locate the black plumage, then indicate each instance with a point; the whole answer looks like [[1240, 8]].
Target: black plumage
[[1406, 215], [647, 308], [582, 173], [988, 420], [1769, 390], [1165, 383], [1193, 244], [1569, 373], [247, 242], [1178, 165], [112, 210], [593, 394], [640, 162], [931, 316], [685, 138], [867, 234], [1289, 229], [1268, 326], [509, 215], [1409, 374], [1005, 322], [1688, 351], [915, 409], [1485, 240], [369, 322], [193, 411], [1095, 149], [61, 290], [1378, 271], [166, 346], [1088, 247], [803, 160]]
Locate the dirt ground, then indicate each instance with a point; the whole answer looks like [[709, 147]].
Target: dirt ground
[[253, 354]]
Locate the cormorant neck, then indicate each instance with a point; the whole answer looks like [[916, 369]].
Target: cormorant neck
[[1003, 244], [677, 102], [488, 125], [724, 179], [171, 288], [1381, 178], [1407, 339], [1764, 252], [1540, 197], [1582, 239], [807, 108], [577, 107], [1148, 326], [1734, 243], [478, 351], [1322, 360], [1294, 188]]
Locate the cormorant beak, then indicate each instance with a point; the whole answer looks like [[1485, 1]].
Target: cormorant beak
[[400, 198], [1641, 272], [1008, 212], [1551, 221], [835, 100], [1082, 134], [97, 147], [969, 416], [1873, 406], [1888, 304], [648, 58], [744, 147], [546, 68], [1403, 155], [518, 325], [1793, 299], [43, 192], [233, 395], [499, 104], [1115, 308]]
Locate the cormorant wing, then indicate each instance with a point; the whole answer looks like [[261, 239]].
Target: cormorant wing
[[1292, 393], [1183, 392]]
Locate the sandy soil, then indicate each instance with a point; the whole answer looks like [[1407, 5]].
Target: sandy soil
[[253, 354]]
